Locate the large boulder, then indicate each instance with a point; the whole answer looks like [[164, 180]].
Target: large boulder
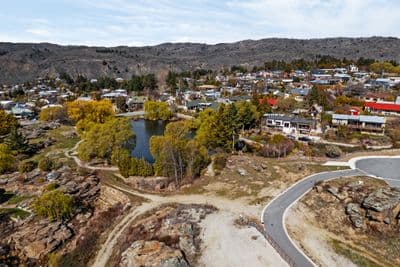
[[383, 199], [354, 212]]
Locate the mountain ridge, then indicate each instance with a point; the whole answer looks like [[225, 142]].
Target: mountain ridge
[[21, 62]]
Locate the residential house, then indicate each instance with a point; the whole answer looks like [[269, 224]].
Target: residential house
[[288, 124], [20, 111], [137, 102], [300, 93], [7, 104], [361, 123], [197, 105], [385, 108]]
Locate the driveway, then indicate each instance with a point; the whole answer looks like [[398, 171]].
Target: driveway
[[273, 217]]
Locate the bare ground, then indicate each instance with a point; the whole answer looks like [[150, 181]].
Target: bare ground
[[234, 195], [308, 237], [226, 245]]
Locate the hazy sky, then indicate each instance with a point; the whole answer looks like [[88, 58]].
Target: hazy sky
[[139, 22]]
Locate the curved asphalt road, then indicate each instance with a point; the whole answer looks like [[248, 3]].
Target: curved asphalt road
[[385, 168], [273, 216]]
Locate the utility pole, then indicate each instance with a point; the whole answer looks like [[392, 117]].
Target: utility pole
[[233, 141]]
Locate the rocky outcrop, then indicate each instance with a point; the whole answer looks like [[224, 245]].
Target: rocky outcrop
[[366, 206], [383, 205], [152, 254], [176, 232], [110, 196], [31, 239], [38, 130], [152, 184], [40, 239], [383, 199]]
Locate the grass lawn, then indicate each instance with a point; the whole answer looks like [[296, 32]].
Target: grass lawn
[[62, 142]]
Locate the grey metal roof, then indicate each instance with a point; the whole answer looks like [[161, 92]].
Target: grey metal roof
[[360, 118], [300, 91], [288, 118], [374, 119]]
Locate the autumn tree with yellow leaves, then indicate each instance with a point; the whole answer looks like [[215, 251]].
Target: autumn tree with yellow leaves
[[90, 111]]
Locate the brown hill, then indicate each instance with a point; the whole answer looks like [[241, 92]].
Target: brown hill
[[22, 62]]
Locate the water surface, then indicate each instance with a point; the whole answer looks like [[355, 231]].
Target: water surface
[[144, 129]]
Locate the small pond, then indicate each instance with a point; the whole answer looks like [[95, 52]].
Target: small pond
[[144, 129]]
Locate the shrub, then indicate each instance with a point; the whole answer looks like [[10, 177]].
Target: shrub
[[135, 167], [46, 164], [40, 180], [51, 186], [333, 152], [6, 159], [219, 161], [393, 130], [278, 146], [143, 167], [7, 122], [53, 205], [27, 166], [54, 114]]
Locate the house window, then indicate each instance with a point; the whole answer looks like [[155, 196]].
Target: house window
[[269, 122], [286, 125], [278, 123]]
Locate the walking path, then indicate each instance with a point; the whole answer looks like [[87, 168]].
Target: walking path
[[226, 206]]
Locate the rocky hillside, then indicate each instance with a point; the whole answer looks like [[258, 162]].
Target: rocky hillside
[[358, 217], [22, 62]]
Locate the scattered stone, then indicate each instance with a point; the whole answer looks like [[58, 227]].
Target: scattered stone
[[257, 168], [186, 244], [33, 174], [264, 166], [242, 172], [53, 175], [333, 190]]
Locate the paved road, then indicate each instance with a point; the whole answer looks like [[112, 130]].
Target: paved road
[[141, 113], [273, 216], [386, 168], [131, 114]]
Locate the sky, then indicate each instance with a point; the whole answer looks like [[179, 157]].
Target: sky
[[140, 22]]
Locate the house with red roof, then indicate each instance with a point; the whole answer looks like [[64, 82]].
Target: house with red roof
[[268, 100], [386, 108]]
